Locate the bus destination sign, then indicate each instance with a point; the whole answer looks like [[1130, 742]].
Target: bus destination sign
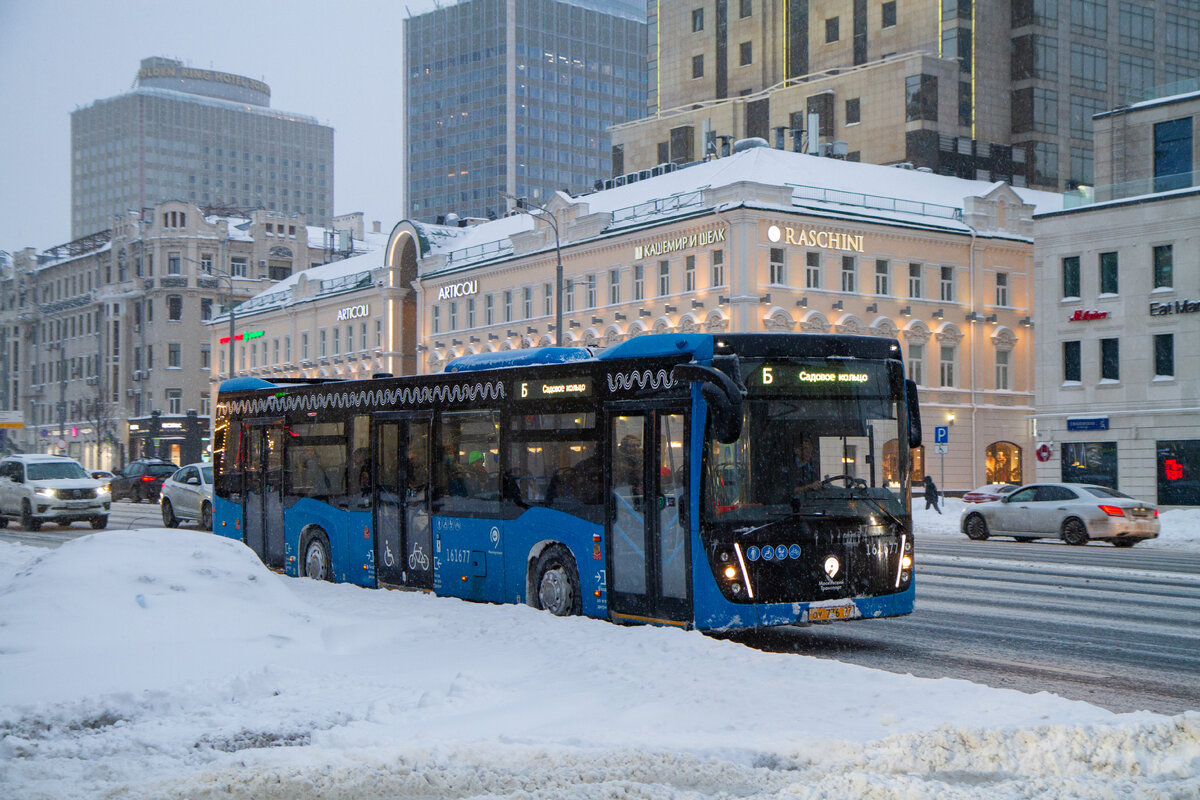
[[552, 389], [783, 376]]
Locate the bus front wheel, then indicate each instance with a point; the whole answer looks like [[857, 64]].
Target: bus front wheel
[[316, 561], [556, 583]]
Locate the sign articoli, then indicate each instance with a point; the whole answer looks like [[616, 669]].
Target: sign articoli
[[353, 312], [811, 237], [684, 242], [460, 289]]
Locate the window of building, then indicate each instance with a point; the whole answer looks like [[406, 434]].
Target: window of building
[[914, 280], [1135, 25], [470, 320], [921, 102], [831, 30], [238, 267], [1178, 472], [304, 346], [916, 363], [1034, 12], [883, 276], [946, 371], [206, 308], [1089, 67], [1072, 362], [1135, 75], [287, 349], [889, 14], [746, 53], [1082, 111], [590, 290], [1081, 167], [1164, 262], [1090, 462], [1164, 355], [174, 307], [956, 44], [1070, 277], [698, 66], [614, 286], [1108, 273], [697, 20], [848, 269], [639, 282], [745, 8], [689, 274], [1183, 35], [1044, 167], [1002, 288], [527, 302], [489, 309], [1035, 109], [946, 284], [174, 355], [1110, 359], [337, 332], [664, 278], [1173, 154], [205, 356], [174, 401], [1090, 17], [254, 355], [568, 295], [508, 305], [1002, 357], [853, 113], [174, 264], [777, 267], [812, 270], [717, 267]]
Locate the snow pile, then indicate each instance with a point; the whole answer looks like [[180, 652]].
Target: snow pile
[[153, 664]]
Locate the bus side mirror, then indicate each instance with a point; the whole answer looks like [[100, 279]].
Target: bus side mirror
[[914, 414], [722, 395]]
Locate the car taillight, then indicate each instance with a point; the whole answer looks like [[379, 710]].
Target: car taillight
[[148, 478], [1113, 511]]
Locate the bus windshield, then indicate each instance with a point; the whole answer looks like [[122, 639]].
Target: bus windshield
[[819, 437]]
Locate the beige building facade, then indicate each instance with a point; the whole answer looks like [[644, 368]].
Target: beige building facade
[[741, 245]]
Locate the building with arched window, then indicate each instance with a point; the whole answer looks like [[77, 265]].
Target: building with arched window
[[764, 240]]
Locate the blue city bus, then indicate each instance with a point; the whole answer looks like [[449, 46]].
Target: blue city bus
[[715, 482]]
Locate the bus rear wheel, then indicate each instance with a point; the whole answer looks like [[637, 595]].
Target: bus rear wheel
[[556, 583], [316, 561]]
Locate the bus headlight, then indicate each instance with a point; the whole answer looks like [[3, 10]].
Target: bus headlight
[[731, 572]]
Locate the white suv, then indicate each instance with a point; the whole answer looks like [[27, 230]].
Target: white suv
[[39, 488]]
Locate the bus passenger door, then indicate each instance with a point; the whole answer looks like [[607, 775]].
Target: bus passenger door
[[646, 517], [403, 523], [262, 514]]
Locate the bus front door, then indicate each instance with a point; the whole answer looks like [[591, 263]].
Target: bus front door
[[403, 523], [646, 517], [262, 510]]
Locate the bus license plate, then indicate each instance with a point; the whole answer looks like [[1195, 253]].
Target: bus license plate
[[830, 613]]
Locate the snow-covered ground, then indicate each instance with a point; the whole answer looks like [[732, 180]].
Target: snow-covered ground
[[172, 664]]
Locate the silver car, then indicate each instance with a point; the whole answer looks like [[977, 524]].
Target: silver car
[[1073, 512], [187, 495]]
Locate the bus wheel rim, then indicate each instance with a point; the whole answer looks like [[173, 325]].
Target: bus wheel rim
[[554, 591], [314, 561]]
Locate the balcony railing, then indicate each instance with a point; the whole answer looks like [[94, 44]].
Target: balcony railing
[[1088, 195]]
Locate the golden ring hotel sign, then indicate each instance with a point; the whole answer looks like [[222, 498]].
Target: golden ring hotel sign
[[676, 243], [811, 237]]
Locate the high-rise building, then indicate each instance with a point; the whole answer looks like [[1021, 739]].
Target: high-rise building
[[200, 136], [516, 96], [998, 91]]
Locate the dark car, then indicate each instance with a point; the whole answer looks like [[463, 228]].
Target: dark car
[[141, 479]]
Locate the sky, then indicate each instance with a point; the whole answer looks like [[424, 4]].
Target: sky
[[337, 62], [171, 663]]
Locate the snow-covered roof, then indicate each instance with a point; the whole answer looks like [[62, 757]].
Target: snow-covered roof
[[823, 186]]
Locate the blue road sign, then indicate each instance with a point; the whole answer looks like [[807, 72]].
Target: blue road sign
[[941, 434]]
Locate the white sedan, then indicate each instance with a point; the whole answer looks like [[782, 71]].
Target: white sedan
[[1073, 512], [187, 495]]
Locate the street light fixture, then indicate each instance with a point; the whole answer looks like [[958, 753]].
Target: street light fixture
[[527, 206]]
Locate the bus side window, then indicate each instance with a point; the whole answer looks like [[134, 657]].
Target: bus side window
[[467, 479]]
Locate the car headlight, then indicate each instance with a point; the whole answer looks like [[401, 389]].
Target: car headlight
[[104, 489], [45, 492]]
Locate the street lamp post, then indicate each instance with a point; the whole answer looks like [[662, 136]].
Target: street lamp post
[[229, 309], [531, 208]]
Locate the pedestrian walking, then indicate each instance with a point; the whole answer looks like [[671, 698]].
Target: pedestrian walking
[[931, 494]]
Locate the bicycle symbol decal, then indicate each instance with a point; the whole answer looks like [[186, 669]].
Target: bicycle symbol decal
[[417, 559]]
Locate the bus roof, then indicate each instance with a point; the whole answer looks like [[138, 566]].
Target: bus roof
[[517, 358]]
